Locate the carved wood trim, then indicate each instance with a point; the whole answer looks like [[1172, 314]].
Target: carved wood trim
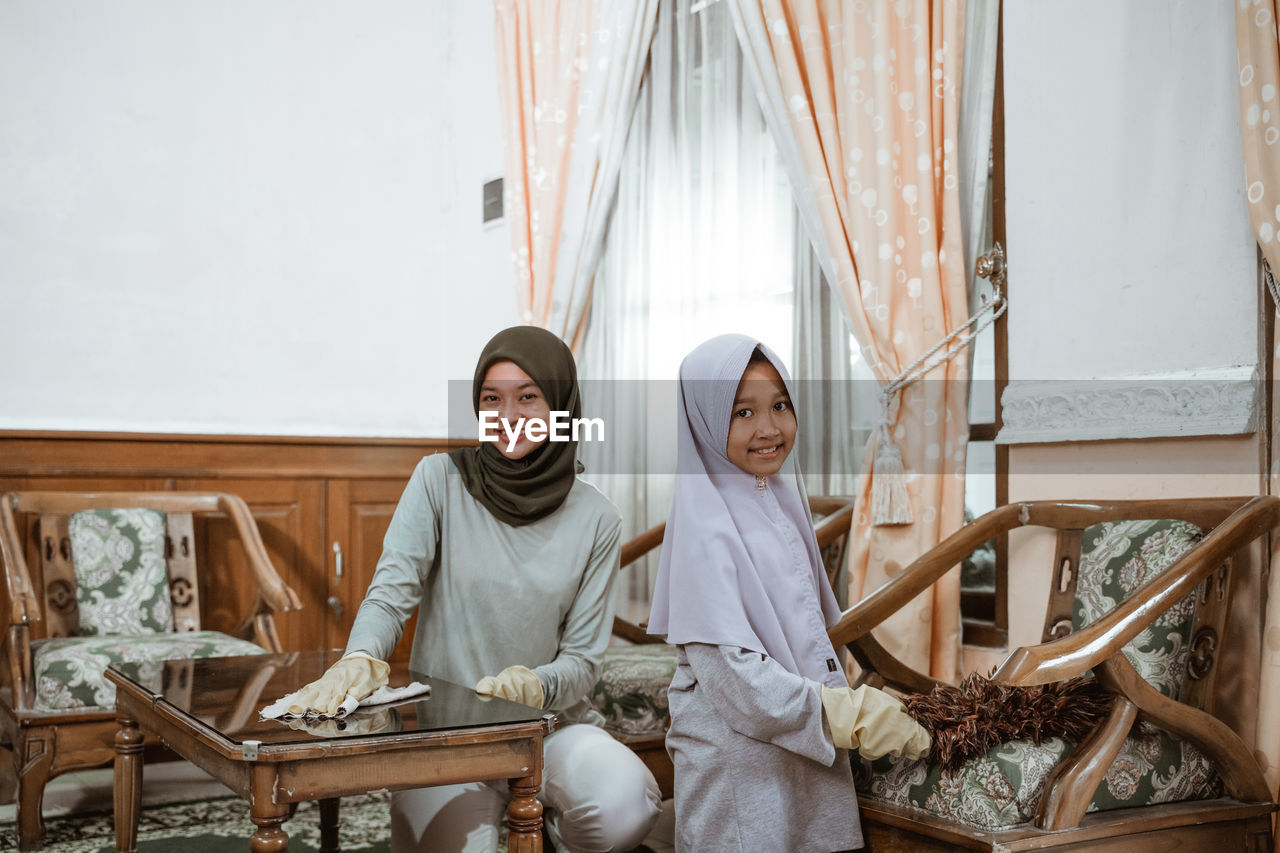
[[61, 610], [1222, 401], [180, 557], [1062, 595], [1213, 607]]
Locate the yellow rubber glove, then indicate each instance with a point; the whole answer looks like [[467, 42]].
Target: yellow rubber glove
[[872, 722], [516, 683], [356, 675]]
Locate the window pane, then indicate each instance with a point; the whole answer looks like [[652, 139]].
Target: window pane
[[978, 571], [982, 394]]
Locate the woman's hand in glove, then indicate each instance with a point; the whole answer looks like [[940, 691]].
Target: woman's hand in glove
[[357, 675], [872, 722], [355, 724], [516, 683]]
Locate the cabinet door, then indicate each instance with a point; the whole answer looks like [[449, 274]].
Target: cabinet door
[[290, 516], [359, 513]]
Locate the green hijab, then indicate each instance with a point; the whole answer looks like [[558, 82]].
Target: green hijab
[[521, 491]]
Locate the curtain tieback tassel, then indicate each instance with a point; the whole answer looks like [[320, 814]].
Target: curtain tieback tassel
[[889, 502]]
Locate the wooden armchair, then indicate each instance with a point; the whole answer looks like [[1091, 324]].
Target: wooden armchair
[[1160, 590], [57, 713], [632, 690]]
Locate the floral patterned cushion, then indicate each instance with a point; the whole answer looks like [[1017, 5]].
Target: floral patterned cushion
[[122, 585], [632, 690], [1116, 558], [69, 670], [1002, 788]]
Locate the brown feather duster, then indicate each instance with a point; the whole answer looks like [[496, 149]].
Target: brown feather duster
[[968, 720]]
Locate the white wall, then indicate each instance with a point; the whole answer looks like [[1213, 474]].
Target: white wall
[[1130, 249], [246, 217]]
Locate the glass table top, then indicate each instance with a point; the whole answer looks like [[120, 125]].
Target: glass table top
[[227, 695]]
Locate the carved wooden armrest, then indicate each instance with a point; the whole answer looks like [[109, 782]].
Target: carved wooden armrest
[[273, 593], [24, 606], [21, 678], [858, 620], [1084, 649], [838, 519], [1233, 760]]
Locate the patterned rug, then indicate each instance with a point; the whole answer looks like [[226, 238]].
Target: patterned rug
[[214, 826]]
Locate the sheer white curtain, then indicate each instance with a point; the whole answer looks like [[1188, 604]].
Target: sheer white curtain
[[610, 87], [977, 100], [700, 243], [839, 396]]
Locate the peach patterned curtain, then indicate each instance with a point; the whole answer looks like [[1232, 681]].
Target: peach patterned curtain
[[1259, 53], [871, 90], [543, 51]]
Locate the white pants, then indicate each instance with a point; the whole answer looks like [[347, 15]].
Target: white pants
[[597, 795]]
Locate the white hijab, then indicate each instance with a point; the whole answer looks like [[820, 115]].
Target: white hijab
[[727, 575]]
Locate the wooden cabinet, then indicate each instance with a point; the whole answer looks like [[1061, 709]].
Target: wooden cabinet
[[315, 500], [290, 517], [359, 512]]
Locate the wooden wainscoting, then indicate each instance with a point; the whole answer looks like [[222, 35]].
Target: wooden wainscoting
[[317, 501]]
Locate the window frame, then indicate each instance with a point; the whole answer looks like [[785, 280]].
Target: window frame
[[985, 615]]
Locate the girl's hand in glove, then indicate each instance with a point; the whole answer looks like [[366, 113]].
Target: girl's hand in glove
[[872, 722]]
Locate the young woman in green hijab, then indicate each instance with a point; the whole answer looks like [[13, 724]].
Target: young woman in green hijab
[[476, 531]]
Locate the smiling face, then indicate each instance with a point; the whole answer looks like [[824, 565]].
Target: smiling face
[[762, 429], [508, 390]]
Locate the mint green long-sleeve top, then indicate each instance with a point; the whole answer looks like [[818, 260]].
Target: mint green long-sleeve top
[[491, 595]]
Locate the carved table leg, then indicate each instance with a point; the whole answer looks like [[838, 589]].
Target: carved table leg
[[127, 791], [329, 825], [270, 836], [524, 815]]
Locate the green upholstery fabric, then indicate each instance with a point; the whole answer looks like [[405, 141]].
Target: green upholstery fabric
[[69, 670], [1002, 788], [122, 585], [632, 690], [1116, 558]]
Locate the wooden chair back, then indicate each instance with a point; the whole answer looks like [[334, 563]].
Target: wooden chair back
[[1213, 596], [40, 574], [55, 572]]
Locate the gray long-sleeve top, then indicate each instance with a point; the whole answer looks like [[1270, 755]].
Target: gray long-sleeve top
[[491, 595], [755, 765]]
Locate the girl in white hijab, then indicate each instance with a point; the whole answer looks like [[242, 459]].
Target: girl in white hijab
[[761, 712]]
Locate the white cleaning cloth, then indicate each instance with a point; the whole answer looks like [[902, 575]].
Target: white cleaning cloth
[[388, 696]]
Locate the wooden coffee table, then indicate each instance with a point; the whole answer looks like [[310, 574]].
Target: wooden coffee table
[[207, 711]]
